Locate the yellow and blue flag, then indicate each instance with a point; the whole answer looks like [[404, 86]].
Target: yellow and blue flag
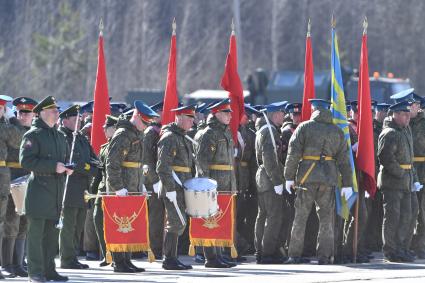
[[339, 114]]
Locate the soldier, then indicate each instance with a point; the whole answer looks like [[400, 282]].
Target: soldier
[[396, 180], [174, 166], [99, 185], [15, 226], [74, 210], [156, 206], [44, 152], [214, 154], [124, 167], [317, 154], [269, 178]]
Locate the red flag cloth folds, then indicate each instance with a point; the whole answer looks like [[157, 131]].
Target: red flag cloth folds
[[171, 99], [231, 82], [308, 92], [101, 106], [126, 225], [217, 230], [365, 158]]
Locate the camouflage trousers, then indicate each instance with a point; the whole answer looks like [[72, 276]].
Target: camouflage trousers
[[173, 226], [414, 206], [324, 199], [156, 223], [397, 216], [419, 239], [15, 226]]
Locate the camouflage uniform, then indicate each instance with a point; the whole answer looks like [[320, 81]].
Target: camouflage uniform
[[395, 179], [315, 139], [156, 206], [417, 125], [123, 166], [214, 155], [174, 154], [270, 204]]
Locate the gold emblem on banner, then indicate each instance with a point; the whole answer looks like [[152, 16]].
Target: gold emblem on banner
[[124, 222], [212, 222]]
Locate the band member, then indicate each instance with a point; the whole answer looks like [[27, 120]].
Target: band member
[[124, 171], [174, 167], [44, 152]]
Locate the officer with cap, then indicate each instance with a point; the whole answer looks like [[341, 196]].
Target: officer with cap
[[15, 226], [75, 210], [124, 165], [316, 156], [99, 185], [175, 156], [269, 178], [215, 154], [44, 151], [397, 180]]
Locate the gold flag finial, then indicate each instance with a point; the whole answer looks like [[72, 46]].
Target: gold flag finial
[[233, 27], [309, 28], [333, 21], [101, 26], [365, 24], [174, 26]]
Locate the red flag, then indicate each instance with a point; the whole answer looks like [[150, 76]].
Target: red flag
[[101, 106], [231, 82], [308, 92], [171, 99], [365, 160]]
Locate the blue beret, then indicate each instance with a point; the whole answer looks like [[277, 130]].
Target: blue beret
[[144, 109], [322, 103]]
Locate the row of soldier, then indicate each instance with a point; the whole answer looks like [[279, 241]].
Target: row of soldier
[[271, 149]]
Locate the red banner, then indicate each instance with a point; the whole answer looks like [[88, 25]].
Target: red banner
[[125, 223], [217, 230]]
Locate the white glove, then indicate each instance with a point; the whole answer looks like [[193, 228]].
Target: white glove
[[156, 188], [122, 192], [279, 189], [172, 196], [366, 194], [235, 154], [355, 146], [346, 192], [418, 186], [9, 113], [288, 186]]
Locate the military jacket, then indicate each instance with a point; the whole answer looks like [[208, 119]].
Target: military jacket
[[417, 125], [395, 150], [86, 168], [246, 153], [150, 154], [214, 154], [174, 154], [41, 148], [12, 160], [315, 138], [124, 160]]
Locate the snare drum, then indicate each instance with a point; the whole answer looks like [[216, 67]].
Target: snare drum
[[200, 195], [18, 188]]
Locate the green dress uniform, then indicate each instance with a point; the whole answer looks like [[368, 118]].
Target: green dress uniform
[[395, 180], [174, 154], [74, 210], [41, 148], [320, 142], [156, 205]]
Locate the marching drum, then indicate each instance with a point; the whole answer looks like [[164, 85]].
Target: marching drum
[[200, 195], [18, 188]]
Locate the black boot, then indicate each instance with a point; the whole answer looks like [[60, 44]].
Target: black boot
[[8, 245], [172, 264], [131, 265], [18, 258]]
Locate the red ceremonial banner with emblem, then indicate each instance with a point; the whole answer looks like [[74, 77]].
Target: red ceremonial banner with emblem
[[217, 230], [125, 224]]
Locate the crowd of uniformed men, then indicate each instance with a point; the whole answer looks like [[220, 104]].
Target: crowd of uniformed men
[[284, 174]]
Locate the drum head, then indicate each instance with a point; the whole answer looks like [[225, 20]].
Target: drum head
[[200, 184]]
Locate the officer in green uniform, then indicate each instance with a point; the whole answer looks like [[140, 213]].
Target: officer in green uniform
[[44, 151], [99, 185], [124, 171], [174, 167], [15, 226], [269, 178], [74, 210], [156, 206], [317, 154], [215, 154], [397, 179]]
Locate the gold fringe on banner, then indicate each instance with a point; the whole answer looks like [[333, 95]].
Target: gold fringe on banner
[[108, 257], [151, 256], [192, 250]]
